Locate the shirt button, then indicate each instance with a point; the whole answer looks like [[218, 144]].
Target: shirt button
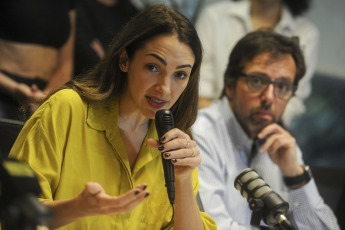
[[296, 204]]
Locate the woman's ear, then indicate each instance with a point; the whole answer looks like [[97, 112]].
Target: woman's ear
[[124, 61]]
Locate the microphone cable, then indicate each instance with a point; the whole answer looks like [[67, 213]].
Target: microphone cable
[[172, 218]]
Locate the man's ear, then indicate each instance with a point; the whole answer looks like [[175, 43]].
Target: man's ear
[[124, 61], [229, 90]]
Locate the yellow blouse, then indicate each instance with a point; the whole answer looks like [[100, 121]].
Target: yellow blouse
[[69, 142]]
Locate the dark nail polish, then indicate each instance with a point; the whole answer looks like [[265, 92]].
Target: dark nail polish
[[147, 194], [163, 139], [174, 160], [167, 155], [145, 186], [160, 148], [136, 192]]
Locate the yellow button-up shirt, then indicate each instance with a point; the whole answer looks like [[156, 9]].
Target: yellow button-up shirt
[[69, 142]]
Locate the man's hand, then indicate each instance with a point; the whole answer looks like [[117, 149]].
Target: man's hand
[[281, 147]]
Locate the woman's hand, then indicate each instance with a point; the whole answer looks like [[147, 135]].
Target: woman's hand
[[180, 149], [94, 201]]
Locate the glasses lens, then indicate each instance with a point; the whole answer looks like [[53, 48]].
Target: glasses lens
[[284, 90], [257, 83]]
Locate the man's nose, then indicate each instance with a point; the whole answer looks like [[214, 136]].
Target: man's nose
[[268, 93]]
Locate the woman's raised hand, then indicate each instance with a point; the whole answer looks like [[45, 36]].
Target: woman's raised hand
[[180, 149]]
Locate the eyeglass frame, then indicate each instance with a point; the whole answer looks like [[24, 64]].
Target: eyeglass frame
[[248, 76]]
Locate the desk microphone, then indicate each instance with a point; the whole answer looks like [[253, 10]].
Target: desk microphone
[[272, 208], [165, 122]]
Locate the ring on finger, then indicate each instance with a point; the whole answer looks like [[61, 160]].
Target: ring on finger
[[187, 146], [193, 152]]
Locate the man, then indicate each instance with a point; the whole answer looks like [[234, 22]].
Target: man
[[263, 73], [222, 24]]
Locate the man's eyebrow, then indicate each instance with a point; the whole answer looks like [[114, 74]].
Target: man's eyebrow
[[263, 74], [165, 63]]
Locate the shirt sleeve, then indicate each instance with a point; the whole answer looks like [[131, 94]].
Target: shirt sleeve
[[40, 150], [42, 141], [209, 223], [307, 208], [212, 183]]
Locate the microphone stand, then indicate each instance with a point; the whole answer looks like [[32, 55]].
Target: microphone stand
[[257, 206]]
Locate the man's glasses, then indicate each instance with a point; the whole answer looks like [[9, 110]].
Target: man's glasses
[[283, 89]]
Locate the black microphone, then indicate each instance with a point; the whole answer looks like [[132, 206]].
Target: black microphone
[[262, 199], [165, 122], [19, 188]]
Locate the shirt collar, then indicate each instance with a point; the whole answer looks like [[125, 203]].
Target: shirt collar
[[103, 116], [239, 138]]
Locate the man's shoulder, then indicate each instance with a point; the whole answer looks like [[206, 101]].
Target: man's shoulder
[[208, 117]]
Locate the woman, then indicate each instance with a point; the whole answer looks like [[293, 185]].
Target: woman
[[36, 50], [98, 132]]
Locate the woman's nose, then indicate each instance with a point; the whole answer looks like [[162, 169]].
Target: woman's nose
[[163, 83]]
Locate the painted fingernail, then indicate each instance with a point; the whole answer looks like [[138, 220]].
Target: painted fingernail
[[174, 160], [163, 139], [147, 194], [167, 155], [145, 186], [136, 192], [160, 148]]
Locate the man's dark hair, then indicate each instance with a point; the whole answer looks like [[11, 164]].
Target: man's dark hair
[[259, 42]]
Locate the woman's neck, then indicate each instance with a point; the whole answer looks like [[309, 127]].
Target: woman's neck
[[126, 123], [265, 14], [129, 115]]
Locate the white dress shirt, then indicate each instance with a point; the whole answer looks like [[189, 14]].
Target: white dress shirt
[[221, 25], [225, 149]]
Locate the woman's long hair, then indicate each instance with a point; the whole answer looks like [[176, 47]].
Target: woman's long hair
[[106, 79]]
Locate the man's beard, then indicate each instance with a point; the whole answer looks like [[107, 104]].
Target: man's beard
[[252, 124]]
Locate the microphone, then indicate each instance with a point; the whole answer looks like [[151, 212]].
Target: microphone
[[19, 188], [265, 203], [164, 122]]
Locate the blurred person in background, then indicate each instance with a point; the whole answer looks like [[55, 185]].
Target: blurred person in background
[[36, 50], [97, 23]]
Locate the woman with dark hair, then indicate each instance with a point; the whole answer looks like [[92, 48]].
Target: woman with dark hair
[[222, 24], [93, 143]]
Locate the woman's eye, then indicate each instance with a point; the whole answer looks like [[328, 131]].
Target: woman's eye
[[181, 75], [152, 68]]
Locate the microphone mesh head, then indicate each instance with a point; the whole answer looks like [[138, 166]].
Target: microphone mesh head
[[250, 184]]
